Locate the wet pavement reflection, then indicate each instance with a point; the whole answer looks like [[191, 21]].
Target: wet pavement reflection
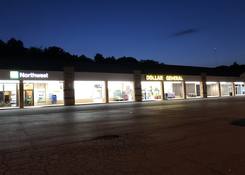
[[135, 138]]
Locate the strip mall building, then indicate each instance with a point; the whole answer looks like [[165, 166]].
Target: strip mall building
[[29, 88]]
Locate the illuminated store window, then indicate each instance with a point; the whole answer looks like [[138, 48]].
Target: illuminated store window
[[151, 90], [9, 93], [239, 88], [89, 92], [226, 88], [120, 91], [173, 89], [193, 89], [212, 89], [40, 93]]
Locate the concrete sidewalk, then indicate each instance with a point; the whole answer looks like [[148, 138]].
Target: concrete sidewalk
[[108, 106]]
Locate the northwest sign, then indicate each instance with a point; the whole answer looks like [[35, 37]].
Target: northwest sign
[[27, 75]]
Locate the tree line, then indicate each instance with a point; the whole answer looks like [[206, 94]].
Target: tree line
[[13, 51], [13, 54]]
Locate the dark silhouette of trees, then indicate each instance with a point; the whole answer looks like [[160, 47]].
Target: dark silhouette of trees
[[13, 54], [15, 44], [149, 62], [83, 59], [56, 53], [12, 48], [235, 65], [127, 60], [99, 58], [110, 60], [34, 52], [2, 48]]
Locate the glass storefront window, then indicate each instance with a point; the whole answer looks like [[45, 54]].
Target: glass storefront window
[[239, 88], [28, 94], [8, 93], [151, 90], [212, 89], [193, 89], [226, 88], [120, 91], [40, 93], [173, 89], [89, 92]]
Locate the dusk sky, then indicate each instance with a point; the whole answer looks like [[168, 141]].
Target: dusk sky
[[191, 32]]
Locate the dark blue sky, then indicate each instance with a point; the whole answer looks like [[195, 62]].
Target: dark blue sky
[[183, 32]]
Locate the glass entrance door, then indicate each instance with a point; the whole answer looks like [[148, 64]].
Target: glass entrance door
[[29, 100]]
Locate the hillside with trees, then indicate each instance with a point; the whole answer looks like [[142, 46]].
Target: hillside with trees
[[14, 55]]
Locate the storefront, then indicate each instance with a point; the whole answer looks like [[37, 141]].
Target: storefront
[[151, 90], [193, 89], [121, 91], [152, 87], [27, 88], [226, 88], [94, 87], [36, 88], [212, 89], [239, 88], [9, 93], [42, 93], [89, 92], [173, 89]]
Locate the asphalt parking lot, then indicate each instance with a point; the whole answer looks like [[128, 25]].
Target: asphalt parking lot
[[194, 137]]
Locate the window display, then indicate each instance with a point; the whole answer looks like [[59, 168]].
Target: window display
[[151, 90], [193, 89], [212, 89], [89, 92], [239, 88], [226, 88], [39, 93], [173, 89], [120, 91], [8, 93]]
